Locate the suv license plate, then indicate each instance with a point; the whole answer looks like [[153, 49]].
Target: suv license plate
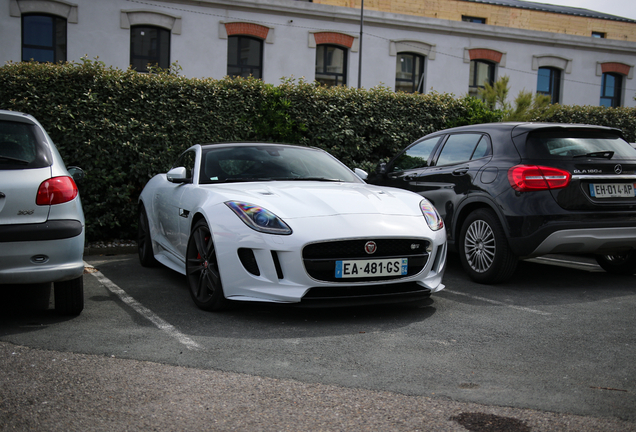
[[612, 190], [372, 268]]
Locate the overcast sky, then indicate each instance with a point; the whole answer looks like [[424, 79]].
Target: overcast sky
[[622, 8]]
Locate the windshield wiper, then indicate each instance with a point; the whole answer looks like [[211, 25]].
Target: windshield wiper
[[605, 154], [10, 159], [307, 179], [243, 179], [264, 179]]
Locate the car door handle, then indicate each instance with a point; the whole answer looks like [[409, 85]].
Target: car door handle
[[460, 171], [409, 178]]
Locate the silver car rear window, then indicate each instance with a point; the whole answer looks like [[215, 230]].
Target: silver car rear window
[[19, 146]]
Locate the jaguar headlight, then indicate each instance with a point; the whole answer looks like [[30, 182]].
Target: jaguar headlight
[[258, 218], [433, 219]]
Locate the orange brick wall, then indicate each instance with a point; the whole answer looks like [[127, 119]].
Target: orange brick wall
[[333, 38], [484, 54], [499, 16], [246, 29], [615, 67]]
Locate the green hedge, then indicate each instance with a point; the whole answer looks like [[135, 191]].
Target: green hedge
[[123, 127]]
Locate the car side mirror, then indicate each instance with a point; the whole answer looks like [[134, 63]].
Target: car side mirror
[[178, 175], [76, 172], [361, 173]]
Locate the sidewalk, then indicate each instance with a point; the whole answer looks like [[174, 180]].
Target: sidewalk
[[54, 391]]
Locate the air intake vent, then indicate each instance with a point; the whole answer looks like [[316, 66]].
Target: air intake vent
[[279, 269], [249, 261]]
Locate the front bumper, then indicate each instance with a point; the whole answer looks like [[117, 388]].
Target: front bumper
[[282, 276]]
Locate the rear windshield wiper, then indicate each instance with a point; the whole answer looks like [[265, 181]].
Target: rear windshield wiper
[[14, 160], [606, 154]]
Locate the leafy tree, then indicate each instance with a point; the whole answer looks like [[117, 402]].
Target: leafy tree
[[526, 104]]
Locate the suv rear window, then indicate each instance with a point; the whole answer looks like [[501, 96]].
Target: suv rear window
[[547, 144], [19, 146]]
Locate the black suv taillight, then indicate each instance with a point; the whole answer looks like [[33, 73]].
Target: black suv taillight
[[527, 178], [56, 190]]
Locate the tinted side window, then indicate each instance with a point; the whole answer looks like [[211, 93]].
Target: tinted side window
[[482, 150], [458, 148], [417, 156]]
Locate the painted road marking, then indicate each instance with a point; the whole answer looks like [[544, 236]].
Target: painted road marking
[[143, 311], [498, 303]]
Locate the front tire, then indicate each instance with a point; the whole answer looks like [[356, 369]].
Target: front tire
[[483, 248], [623, 264], [69, 296], [202, 270]]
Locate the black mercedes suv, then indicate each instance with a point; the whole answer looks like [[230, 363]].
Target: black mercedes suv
[[519, 190]]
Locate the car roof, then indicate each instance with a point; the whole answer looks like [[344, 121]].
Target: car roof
[[520, 128], [17, 116], [253, 143]]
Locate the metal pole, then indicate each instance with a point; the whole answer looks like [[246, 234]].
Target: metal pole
[[360, 50]]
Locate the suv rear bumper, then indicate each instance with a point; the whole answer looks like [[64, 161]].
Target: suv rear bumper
[[44, 259], [585, 240]]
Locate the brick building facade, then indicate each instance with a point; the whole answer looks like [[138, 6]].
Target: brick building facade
[[447, 46]]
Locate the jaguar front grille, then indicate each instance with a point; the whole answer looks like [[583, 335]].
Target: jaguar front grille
[[320, 258]]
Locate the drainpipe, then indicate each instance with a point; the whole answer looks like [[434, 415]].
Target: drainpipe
[[360, 51]]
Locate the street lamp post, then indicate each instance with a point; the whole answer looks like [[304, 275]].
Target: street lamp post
[[360, 50]]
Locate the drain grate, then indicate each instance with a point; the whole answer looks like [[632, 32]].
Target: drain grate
[[480, 422]]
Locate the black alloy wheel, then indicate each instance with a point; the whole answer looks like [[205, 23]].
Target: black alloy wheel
[[202, 270], [483, 248], [624, 263], [144, 241]]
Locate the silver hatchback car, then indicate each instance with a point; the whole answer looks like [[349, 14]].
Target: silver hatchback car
[[41, 217]]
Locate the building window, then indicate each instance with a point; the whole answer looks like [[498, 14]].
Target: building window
[[245, 57], [149, 46], [43, 38], [471, 19], [331, 65], [409, 73], [481, 72], [599, 35], [611, 90], [549, 83]]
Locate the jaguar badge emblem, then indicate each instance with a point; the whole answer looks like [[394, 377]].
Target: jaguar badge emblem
[[370, 247]]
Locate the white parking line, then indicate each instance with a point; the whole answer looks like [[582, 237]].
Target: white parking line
[[498, 303], [144, 311]]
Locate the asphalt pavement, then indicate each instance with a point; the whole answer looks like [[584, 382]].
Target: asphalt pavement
[[558, 339], [55, 391]]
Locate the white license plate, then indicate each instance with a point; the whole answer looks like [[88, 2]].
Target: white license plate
[[612, 190], [372, 268]]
